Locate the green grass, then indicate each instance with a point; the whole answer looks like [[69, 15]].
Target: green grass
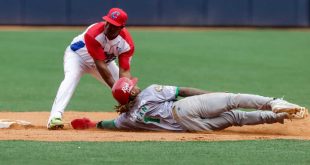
[[238, 152], [266, 62]]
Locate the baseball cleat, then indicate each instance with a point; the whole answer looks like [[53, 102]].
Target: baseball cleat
[[55, 123], [280, 105], [303, 113], [294, 111]]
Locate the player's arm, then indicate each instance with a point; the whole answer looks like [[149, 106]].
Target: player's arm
[[124, 63], [85, 123], [104, 72], [124, 73], [187, 91], [106, 124], [95, 50]]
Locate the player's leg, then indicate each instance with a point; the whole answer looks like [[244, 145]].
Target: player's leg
[[187, 120], [240, 118], [213, 104], [73, 70], [266, 103], [191, 122], [113, 69]]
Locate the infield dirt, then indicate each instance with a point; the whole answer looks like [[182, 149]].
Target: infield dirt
[[296, 129]]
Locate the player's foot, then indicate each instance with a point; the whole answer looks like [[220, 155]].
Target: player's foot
[[280, 105], [55, 123], [294, 111], [303, 113]]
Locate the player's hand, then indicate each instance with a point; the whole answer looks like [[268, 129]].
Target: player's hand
[[83, 123]]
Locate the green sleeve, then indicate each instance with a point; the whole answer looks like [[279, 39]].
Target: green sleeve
[[177, 91], [106, 124]]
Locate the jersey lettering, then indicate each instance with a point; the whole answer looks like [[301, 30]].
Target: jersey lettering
[[144, 119]]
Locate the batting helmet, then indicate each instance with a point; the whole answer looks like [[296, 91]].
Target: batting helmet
[[116, 17], [122, 88]]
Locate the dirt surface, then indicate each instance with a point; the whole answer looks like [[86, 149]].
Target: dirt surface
[[296, 129]]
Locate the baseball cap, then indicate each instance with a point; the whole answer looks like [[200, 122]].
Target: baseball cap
[[121, 89], [116, 17]]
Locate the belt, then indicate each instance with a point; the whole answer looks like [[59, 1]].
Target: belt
[[175, 115]]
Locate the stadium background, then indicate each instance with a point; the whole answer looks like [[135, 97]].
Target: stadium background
[[159, 12]]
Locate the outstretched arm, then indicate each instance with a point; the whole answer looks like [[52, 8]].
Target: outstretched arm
[[187, 91], [106, 124], [85, 123]]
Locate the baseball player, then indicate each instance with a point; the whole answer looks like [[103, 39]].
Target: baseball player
[[94, 52], [156, 108]]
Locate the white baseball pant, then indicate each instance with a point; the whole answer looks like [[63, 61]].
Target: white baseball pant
[[75, 66]]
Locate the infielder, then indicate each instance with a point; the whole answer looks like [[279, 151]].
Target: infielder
[[94, 52], [156, 108]]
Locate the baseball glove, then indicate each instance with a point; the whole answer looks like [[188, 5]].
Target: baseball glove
[[83, 123]]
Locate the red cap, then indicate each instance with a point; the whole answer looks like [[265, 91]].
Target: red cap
[[121, 89], [116, 16]]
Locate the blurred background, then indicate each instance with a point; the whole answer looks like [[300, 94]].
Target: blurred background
[[287, 13]]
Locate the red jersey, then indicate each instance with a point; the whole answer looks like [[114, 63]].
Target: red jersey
[[94, 42]]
